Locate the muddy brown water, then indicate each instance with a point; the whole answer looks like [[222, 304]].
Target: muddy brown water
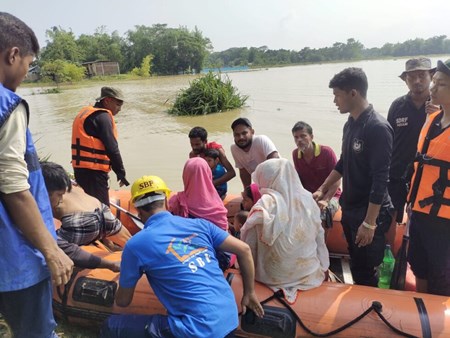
[[153, 142]]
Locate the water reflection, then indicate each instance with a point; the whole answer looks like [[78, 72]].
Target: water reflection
[[153, 142]]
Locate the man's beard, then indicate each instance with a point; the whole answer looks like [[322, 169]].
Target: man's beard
[[248, 144]]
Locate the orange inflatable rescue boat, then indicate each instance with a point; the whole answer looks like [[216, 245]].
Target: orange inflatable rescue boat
[[331, 310], [358, 310]]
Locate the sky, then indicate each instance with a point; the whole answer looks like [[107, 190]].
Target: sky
[[277, 24]]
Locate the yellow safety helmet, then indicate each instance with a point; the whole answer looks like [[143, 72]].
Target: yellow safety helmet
[[148, 184]]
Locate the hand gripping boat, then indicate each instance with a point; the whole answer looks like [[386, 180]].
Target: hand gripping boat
[[333, 309]]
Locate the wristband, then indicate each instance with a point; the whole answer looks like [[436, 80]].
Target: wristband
[[368, 226]]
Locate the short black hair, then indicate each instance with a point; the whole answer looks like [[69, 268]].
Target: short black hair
[[199, 132], [55, 177], [213, 153], [300, 125], [242, 121], [351, 78], [15, 33]]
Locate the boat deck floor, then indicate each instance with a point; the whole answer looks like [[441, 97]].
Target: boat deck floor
[[340, 269]]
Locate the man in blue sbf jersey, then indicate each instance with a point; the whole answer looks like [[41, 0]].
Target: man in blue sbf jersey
[[178, 257]]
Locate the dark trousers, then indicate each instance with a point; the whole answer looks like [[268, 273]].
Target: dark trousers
[[429, 251], [365, 260], [28, 312], [139, 326], [94, 183], [398, 193], [136, 326]]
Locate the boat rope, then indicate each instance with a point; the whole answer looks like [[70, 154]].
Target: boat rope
[[376, 306], [424, 320]]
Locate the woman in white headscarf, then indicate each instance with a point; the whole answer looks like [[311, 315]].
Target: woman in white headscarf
[[284, 231]]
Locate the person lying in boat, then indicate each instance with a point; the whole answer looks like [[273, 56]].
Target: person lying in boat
[[178, 257], [250, 196], [284, 231], [84, 219]]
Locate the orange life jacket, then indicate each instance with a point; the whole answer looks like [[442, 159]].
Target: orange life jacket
[[430, 188], [88, 151]]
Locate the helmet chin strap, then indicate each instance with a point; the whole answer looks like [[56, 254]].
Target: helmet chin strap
[[148, 200]]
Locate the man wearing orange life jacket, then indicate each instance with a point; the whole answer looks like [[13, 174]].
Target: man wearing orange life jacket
[[429, 253], [94, 145]]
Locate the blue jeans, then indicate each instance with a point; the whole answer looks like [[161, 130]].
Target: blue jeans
[[28, 312], [136, 326]]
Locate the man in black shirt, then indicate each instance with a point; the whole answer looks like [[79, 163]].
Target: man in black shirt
[[95, 149], [406, 116], [364, 168]]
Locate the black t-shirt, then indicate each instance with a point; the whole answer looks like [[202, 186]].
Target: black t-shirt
[[406, 121], [365, 159]]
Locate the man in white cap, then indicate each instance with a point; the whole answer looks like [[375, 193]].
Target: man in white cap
[[406, 116], [95, 150]]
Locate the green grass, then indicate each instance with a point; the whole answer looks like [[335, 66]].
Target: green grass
[[68, 330], [64, 330]]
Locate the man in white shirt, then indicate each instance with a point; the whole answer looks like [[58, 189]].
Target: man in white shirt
[[249, 150]]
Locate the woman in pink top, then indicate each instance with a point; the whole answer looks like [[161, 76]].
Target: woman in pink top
[[199, 198]]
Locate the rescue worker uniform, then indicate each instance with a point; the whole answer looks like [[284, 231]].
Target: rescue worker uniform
[[364, 166], [429, 253], [95, 151]]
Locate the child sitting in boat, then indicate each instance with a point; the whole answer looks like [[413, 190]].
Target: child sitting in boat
[[250, 196], [200, 200], [284, 231], [218, 170], [84, 219]]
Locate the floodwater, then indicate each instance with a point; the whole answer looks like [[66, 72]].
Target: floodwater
[[152, 142]]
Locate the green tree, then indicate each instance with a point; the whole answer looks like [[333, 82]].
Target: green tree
[[146, 66], [179, 51], [61, 46], [101, 46], [353, 49], [145, 69], [139, 43], [60, 71]]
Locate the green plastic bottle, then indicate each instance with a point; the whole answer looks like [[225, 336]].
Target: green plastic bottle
[[386, 268]]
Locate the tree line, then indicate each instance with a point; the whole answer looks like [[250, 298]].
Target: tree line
[[143, 50], [351, 50], [162, 50]]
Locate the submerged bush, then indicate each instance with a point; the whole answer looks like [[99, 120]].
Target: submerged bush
[[206, 95]]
